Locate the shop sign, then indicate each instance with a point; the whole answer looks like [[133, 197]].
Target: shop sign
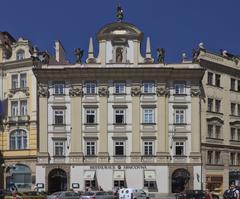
[[125, 167]]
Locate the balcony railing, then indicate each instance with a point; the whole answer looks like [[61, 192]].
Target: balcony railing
[[19, 119]]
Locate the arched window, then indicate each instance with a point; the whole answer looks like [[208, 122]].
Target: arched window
[[18, 139], [20, 55]]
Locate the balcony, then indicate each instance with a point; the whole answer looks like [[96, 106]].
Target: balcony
[[19, 119]]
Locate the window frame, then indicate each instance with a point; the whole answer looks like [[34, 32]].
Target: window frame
[[90, 88], [180, 89], [16, 136], [218, 105], [90, 148], [123, 114], [119, 88], [119, 143], [210, 78], [55, 114], [14, 108], [232, 84], [180, 144], [148, 87], [14, 81], [23, 109], [210, 105], [233, 108], [89, 112], [148, 147], [55, 153], [23, 80], [20, 54], [180, 116], [148, 118], [59, 88], [217, 80]]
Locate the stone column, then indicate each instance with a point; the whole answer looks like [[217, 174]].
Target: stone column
[[162, 123], [136, 139], [103, 92], [76, 154], [195, 153], [43, 155]]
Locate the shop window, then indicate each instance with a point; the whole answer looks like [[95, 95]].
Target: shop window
[[119, 183], [91, 116], [18, 140]]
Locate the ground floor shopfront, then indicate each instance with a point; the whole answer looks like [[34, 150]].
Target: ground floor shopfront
[[153, 178]]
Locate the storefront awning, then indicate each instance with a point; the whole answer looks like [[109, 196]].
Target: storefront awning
[[89, 175], [149, 176], [118, 175]]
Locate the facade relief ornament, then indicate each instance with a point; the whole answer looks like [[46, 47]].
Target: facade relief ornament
[[162, 91], [136, 91], [103, 91], [43, 90], [195, 92], [75, 92]]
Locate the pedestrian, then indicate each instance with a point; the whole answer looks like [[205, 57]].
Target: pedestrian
[[231, 192]]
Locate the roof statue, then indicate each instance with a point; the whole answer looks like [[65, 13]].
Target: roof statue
[[119, 13], [160, 55], [78, 54], [184, 57]]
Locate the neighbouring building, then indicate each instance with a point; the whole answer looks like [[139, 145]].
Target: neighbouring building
[[220, 118], [120, 119]]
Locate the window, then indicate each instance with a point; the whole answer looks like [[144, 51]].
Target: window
[[233, 105], [23, 80], [233, 133], [210, 105], [58, 117], [232, 86], [59, 88], [238, 110], [90, 88], [119, 88], [238, 134], [210, 130], [238, 85], [217, 157], [148, 147], [179, 148], [148, 116], [59, 148], [217, 132], [14, 108], [179, 116], [18, 140], [119, 148], [119, 116], [210, 78], [209, 157], [179, 89], [218, 106], [20, 55], [232, 158], [217, 80], [14, 81], [90, 148], [148, 87], [90, 116], [23, 107]]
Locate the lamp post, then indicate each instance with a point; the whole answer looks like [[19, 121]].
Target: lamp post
[[6, 170]]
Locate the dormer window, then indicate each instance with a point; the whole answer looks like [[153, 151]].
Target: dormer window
[[20, 55]]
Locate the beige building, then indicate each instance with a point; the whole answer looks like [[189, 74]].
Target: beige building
[[220, 117], [120, 119]]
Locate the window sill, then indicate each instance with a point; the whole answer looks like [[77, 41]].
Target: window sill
[[148, 93], [147, 124], [180, 94], [232, 115], [214, 164], [91, 124], [58, 156], [90, 156], [238, 141], [117, 94], [220, 139], [119, 156], [215, 112], [90, 94], [59, 124], [179, 124], [119, 124], [179, 156]]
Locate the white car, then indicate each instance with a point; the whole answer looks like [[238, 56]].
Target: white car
[[132, 193]]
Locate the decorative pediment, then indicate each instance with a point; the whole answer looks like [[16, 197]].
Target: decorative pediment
[[215, 119]]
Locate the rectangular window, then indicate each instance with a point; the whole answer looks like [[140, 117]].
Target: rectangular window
[[14, 81], [232, 158], [59, 88], [59, 148], [119, 116], [179, 116], [233, 108], [179, 88], [217, 157], [148, 147], [91, 148], [119, 88], [119, 148], [218, 132], [148, 116], [90, 88], [233, 133], [210, 130], [23, 80], [90, 116], [179, 148], [218, 106], [210, 105], [14, 108], [148, 87], [23, 107], [209, 157], [210, 78], [217, 80], [232, 86], [58, 117]]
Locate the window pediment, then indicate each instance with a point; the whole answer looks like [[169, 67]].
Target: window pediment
[[215, 119]]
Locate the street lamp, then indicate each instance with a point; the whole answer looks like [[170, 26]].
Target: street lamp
[[6, 168]]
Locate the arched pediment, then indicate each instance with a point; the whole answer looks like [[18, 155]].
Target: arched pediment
[[237, 122], [215, 119]]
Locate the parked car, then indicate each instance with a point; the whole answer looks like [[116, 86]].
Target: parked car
[[64, 195], [97, 195], [196, 194], [132, 193]]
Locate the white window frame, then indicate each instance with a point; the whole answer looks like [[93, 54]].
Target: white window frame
[[120, 112], [89, 112], [59, 88], [180, 143], [20, 54], [60, 113], [23, 107], [60, 144], [120, 143], [180, 116], [218, 104], [90, 88], [210, 133], [119, 88], [15, 137], [90, 147], [148, 115], [180, 89], [210, 78], [14, 108], [23, 80], [148, 147], [14, 81], [148, 87]]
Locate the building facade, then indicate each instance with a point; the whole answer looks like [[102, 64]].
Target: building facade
[[220, 115], [120, 120]]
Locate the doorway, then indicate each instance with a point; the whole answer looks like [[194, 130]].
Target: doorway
[[57, 181]]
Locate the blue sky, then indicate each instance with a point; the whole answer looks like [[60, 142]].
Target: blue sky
[[176, 25]]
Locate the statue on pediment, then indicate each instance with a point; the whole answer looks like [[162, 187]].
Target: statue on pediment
[[195, 54], [119, 13], [78, 55], [160, 55]]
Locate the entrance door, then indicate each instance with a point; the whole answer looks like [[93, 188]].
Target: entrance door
[[180, 179], [57, 180]]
